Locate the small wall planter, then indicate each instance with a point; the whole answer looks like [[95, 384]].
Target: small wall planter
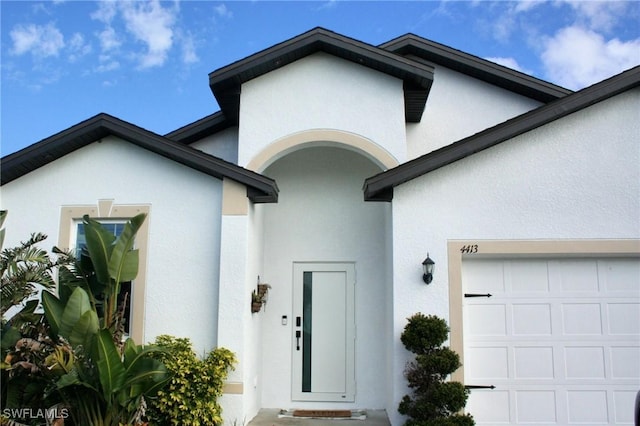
[[259, 297]]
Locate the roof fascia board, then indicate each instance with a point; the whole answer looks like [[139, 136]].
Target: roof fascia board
[[476, 67], [380, 187], [225, 83], [48, 150], [200, 129]]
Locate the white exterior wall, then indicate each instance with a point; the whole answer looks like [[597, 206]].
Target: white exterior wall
[[223, 144], [321, 92], [321, 217], [576, 178], [460, 106], [184, 226]]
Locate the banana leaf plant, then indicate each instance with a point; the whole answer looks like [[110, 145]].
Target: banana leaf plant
[[108, 262], [86, 366], [110, 380]]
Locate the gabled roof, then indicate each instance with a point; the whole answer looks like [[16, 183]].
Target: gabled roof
[[411, 45], [259, 188], [225, 82], [403, 57], [200, 129], [380, 187]]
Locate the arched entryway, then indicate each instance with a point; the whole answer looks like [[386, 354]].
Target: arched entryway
[[322, 223]]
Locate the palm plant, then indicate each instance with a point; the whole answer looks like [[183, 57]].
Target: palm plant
[[79, 358], [23, 269]]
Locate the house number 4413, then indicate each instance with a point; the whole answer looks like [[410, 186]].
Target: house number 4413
[[469, 249]]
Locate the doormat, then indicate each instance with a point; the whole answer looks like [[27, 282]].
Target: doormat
[[324, 414]]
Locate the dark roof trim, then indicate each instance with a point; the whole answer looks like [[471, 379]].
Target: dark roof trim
[[259, 188], [200, 129], [225, 82], [476, 67], [380, 187]]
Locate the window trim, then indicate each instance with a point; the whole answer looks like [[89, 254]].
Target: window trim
[[106, 209]]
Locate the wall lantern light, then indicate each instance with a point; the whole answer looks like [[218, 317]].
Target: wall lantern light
[[427, 267]]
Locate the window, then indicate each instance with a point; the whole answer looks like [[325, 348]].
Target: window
[[125, 288], [113, 217]]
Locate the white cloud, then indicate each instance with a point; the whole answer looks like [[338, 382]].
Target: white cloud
[[109, 40], [107, 64], [189, 55], [107, 10], [509, 63], [78, 47], [599, 15], [41, 41], [152, 25], [222, 11], [576, 57]]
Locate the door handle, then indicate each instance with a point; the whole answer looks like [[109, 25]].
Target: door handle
[[298, 333]]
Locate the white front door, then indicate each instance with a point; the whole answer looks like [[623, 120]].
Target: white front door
[[323, 332]]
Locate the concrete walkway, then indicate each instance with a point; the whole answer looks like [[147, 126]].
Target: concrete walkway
[[269, 417]]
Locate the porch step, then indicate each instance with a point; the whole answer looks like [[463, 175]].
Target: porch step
[[273, 417]]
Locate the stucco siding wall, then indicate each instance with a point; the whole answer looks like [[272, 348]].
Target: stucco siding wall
[[321, 92], [577, 178], [321, 217], [460, 106], [184, 226], [223, 144]]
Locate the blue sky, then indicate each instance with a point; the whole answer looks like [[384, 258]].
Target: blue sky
[[147, 62]]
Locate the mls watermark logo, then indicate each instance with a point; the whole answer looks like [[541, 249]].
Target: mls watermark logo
[[36, 413]]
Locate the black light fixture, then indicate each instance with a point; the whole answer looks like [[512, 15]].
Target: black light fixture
[[427, 267]]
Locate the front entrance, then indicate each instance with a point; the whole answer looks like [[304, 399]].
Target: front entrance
[[323, 332]]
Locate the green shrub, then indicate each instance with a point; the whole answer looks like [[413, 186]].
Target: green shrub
[[435, 402], [191, 397], [424, 333]]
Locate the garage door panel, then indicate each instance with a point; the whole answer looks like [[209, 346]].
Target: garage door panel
[[581, 319], [574, 276], [584, 362], [488, 363], [533, 362], [625, 362], [527, 276], [496, 324], [535, 406], [562, 352], [587, 406], [620, 275], [487, 277], [493, 406], [624, 318], [621, 401], [531, 319]]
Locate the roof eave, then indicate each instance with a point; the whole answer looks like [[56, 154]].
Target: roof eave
[[380, 187], [200, 129], [476, 67], [226, 82], [48, 150]]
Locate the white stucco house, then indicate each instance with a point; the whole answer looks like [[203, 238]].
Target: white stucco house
[[331, 171]]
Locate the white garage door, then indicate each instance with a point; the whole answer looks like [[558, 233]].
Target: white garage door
[[558, 338]]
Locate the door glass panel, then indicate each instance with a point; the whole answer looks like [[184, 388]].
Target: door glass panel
[[307, 309]]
